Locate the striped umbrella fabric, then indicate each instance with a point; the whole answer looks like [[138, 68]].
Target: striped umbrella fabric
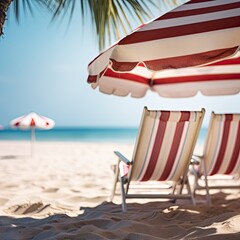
[[219, 78], [197, 33]]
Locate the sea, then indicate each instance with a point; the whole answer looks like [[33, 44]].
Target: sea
[[121, 135]]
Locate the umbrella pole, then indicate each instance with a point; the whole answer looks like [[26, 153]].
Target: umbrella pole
[[32, 141]]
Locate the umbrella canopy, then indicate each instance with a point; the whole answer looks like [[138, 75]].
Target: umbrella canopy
[[219, 78], [32, 120], [197, 33]]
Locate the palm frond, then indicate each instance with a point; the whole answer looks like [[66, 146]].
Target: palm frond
[[110, 17]]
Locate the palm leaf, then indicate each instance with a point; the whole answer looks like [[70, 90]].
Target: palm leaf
[[110, 17]]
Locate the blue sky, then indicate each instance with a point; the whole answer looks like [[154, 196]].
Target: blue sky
[[43, 68]]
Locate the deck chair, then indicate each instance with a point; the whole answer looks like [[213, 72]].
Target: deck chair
[[220, 154], [162, 154]]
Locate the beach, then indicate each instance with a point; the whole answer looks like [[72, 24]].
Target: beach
[[62, 192]]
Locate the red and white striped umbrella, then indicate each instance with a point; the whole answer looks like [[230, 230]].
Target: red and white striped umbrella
[[32, 121], [219, 78], [197, 33]]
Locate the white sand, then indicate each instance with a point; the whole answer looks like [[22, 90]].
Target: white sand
[[62, 193]]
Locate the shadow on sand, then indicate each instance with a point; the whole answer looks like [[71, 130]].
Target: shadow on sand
[[153, 220]]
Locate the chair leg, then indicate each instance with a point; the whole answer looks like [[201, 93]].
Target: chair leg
[[174, 188], [116, 178], [124, 206], [208, 197], [195, 184], [183, 182], [190, 192], [181, 186]]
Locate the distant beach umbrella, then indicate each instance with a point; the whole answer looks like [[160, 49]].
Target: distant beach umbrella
[[160, 54], [32, 121]]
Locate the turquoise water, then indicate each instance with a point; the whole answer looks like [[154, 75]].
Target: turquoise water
[[125, 135], [74, 134]]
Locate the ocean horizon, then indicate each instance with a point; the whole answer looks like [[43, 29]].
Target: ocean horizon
[[82, 134]]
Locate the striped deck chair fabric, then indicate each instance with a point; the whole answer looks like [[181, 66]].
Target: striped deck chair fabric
[[221, 150], [163, 151]]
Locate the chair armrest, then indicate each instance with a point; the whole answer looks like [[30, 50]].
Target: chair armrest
[[196, 159], [122, 158]]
